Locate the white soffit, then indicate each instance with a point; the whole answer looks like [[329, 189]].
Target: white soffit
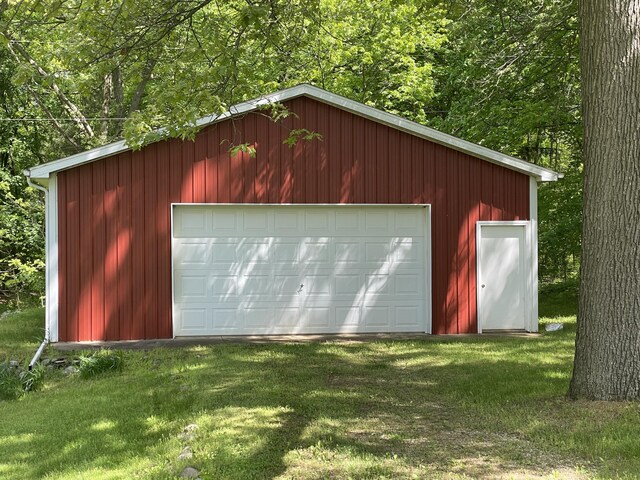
[[357, 108]]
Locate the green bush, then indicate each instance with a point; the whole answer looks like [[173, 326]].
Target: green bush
[[16, 381], [100, 362], [21, 241]]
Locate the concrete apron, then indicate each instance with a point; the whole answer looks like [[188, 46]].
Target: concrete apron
[[266, 339]]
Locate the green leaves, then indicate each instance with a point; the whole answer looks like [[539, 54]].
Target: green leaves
[[21, 240], [243, 148], [298, 134]]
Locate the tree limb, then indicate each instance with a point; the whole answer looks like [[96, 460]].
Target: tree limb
[[57, 125], [69, 106], [146, 76]]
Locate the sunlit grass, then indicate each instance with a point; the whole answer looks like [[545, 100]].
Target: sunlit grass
[[477, 407], [21, 333]]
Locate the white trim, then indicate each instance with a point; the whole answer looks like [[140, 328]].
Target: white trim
[[533, 232], [381, 205], [413, 128], [428, 301], [528, 301], [52, 297], [173, 289]]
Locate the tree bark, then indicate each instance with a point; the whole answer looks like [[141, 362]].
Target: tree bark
[[107, 90], [607, 361], [118, 98], [146, 76]]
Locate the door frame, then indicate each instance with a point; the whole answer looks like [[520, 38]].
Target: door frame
[[530, 276], [428, 286]]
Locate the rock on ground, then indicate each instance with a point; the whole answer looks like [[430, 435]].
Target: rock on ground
[[190, 472], [186, 453]]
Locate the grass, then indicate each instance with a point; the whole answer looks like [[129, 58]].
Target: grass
[[480, 407], [102, 361], [21, 334]]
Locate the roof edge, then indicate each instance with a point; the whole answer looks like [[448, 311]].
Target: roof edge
[[540, 173]]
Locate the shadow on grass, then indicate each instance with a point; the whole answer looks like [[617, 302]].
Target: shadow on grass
[[480, 407], [346, 409]]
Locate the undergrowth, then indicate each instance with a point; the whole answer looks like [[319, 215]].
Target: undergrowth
[[100, 362], [16, 381]]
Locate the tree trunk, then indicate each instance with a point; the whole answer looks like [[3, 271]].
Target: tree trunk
[[107, 90], [607, 361]]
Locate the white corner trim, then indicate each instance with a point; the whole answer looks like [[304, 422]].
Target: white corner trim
[[428, 261], [531, 302], [51, 231], [173, 284], [357, 108], [533, 232]]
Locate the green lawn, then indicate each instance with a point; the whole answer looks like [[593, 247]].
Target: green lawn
[[481, 407]]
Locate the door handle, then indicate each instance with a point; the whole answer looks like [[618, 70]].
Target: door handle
[[482, 286]]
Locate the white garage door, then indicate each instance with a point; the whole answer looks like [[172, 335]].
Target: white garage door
[[244, 270]]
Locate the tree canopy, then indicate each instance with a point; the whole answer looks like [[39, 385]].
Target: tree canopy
[[76, 74]]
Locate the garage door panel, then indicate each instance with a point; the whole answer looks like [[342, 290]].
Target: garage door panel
[[347, 317], [191, 286], [347, 222], [288, 317], [194, 319], [347, 284], [288, 222], [257, 318], [316, 317], [224, 222], [224, 286], [285, 252], [376, 222], [376, 316], [378, 283], [318, 222], [316, 251], [254, 284], [298, 269], [317, 285], [407, 316], [227, 319], [348, 252], [406, 224], [406, 250], [192, 223], [255, 221], [407, 284], [253, 251], [223, 252], [193, 253], [286, 285]]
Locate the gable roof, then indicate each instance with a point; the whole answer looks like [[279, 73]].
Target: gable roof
[[540, 173]]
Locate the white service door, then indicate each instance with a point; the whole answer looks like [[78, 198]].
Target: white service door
[[243, 270], [502, 277]]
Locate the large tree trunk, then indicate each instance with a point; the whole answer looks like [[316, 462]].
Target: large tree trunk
[[607, 362]]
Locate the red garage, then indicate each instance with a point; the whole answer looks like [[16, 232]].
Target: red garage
[[381, 225]]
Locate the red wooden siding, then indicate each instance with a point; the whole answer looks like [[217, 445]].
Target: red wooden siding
[[114, 214]]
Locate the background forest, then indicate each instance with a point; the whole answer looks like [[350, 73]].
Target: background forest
[[75, 74]]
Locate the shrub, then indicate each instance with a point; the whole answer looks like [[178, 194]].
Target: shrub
[[16, 381], [100, 362], [33, 379]]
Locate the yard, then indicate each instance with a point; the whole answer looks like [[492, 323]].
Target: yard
[[484, 407]]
